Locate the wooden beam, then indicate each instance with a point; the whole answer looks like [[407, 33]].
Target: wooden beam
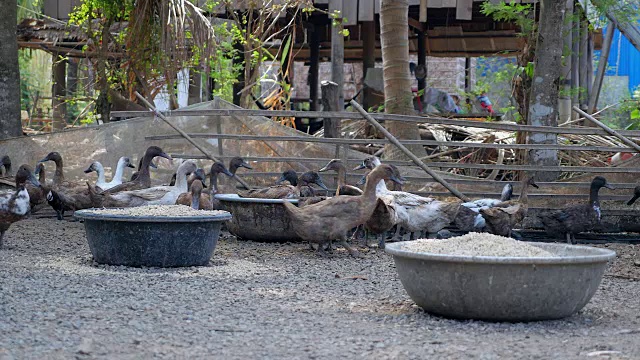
[[612, 132], [407, 152], [331, 102], [368, 57], [185, 135], [59, 91], [423, 11], [314, 65], [337, 51], [602, 68]]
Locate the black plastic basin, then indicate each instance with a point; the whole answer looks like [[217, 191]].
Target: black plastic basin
[[154, 241]]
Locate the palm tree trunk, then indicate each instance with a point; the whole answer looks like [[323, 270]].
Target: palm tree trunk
[[10, 124], [394, 39], [543, 103]]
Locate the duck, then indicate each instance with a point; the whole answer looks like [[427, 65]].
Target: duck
[[5, 166], [576, 218], [415, 213], [15, 205], [478, 221], [342, 187], [235, 163], [330, 219], [38, 193], [63, 199], [137, 172], [157, 195], [501, 218], [636, 195], [301, 188], [195, 197], [143, 180], [117, 177], [58, 175]]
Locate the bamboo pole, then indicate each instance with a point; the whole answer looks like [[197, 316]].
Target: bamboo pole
[[406, 151], [186, 136], [604, 127]]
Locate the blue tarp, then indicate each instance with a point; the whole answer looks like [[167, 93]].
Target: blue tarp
[[624, 60]]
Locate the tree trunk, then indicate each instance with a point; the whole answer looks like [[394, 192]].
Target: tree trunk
[[544, 91], [394, 39], [10, 123]]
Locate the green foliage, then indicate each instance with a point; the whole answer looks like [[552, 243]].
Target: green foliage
[[521, 14]]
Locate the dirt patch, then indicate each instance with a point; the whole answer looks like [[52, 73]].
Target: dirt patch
[[258, 300]]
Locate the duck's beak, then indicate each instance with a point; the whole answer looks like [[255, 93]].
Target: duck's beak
[[245, 165], [362, 180], [609, 186], [633, 199], [227, 172], [131, 165], [153, 165], [33, 180], [397, 179], [44, 160], [535, 185], [166, 156], [359, 167], [88, 170], [321, 184], [280, 180], [324, 169]]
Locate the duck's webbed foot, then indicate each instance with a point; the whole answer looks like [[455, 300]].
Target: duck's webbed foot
[[321, 251], [353, 252]]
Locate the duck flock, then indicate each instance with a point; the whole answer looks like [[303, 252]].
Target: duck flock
[[318, 218]]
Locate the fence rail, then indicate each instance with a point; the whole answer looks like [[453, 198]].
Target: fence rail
[[384, 117]]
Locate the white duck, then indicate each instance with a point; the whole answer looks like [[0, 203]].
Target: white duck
[[157, 195], [414, 213], [14, 205], [476, 205], [117, 177]]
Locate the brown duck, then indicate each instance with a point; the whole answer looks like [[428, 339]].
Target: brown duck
[[504, 216], [328, 220], [143, 181], [342, 187], [196, 198], [302, 187], [14, 205], [567, 222], [38, 194]]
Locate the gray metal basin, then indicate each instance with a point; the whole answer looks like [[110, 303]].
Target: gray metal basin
[[502, 288], [258, 219], [154, 241]]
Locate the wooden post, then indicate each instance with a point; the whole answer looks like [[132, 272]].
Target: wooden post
[[575, 59], [407, 152], [185, 135], [72, 88], [589, 68], [195, 86], [330, 102], [368, 31], [564, 97], [337, 51], [314, 65], [602, 67], [238, 58], [584, 61], [422, 59], [604, 127], [58, 92]]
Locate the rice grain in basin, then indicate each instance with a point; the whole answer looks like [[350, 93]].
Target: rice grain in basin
[[477, 244]]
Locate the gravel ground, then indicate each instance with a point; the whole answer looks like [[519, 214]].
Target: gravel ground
[[270, 301]]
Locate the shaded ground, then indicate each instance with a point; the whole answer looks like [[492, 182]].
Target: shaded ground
[[270, 301]]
